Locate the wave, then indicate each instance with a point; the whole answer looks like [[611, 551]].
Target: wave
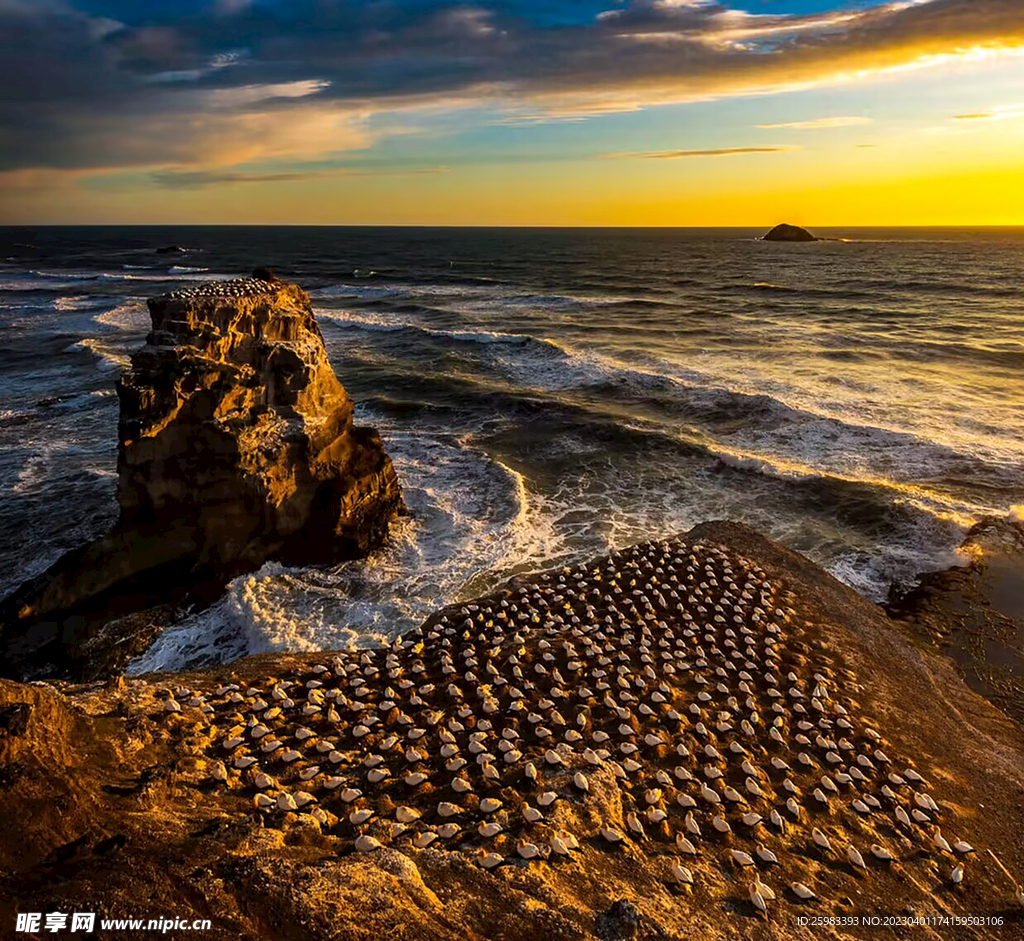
[[182, 269], [67, 280], [839, 292], [62, 275], [364, 321], [747, 430], [359, 290], [38, 282], [950, 509], [110, 357], [475, 296], [131, 316], [939, 287], [190, 275], [473, 519], [77, 302]]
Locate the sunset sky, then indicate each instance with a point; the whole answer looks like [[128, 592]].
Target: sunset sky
[[512, 112]]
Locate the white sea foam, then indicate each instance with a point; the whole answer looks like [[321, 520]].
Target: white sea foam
[[379, 322], [76, 302], [37, 283], [132, 315], [109, 357], [35, 471], [473, 521], [791, 444]]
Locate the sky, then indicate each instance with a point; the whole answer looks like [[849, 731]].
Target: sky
[[512, 112]]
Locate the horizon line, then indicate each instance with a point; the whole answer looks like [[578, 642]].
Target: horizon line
[[521, 225]]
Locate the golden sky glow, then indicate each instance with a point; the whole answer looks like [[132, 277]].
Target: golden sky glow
[[648, 113]]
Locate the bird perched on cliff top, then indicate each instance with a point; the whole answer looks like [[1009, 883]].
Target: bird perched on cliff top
[[757, 898], [655, 680]]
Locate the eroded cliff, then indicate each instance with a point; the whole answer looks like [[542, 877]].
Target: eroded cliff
[[236, 445]]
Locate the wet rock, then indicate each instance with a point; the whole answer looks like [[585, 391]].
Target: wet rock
[[974, 613]]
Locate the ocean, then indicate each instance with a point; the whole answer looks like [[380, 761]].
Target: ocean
[[550, 394]]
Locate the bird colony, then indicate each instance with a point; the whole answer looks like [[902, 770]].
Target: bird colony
[[237, 287], [669, 685]]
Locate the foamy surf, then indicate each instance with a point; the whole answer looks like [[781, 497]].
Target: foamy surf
[[110, 357], [132, 316], [473, 522]]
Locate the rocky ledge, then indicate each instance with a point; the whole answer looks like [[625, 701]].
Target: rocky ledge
[[707, 737], [237, 445], [974, 613]]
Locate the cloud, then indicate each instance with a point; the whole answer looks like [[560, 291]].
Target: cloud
[[817, 123], [198, 86], [199, 179], [1002, 113], [715, 152]]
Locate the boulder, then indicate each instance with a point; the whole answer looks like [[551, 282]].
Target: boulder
[[237, 446], [171, 250], [789, 233]]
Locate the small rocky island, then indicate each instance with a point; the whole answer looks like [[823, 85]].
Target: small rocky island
[[236, 445], [789, 233]]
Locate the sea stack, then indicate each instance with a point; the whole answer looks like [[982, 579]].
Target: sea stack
[[236, 446], [789, 233]]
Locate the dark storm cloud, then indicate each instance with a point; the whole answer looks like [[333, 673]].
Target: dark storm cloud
[[116, 83]]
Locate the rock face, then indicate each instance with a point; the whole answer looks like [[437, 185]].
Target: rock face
[[233, 422], [468, 781], [237, 445], [789, 233], [975, 613]]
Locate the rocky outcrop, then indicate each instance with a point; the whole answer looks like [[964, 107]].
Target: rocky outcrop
[[974, 613], [156, 796], [789, 233], [237, 445]]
